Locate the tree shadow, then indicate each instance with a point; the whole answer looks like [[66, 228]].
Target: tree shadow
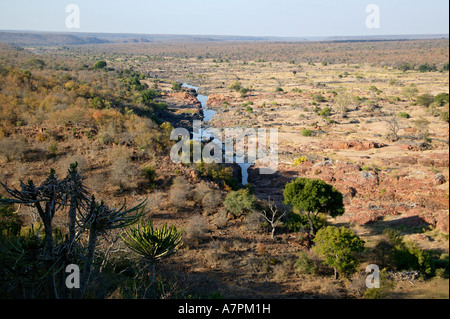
[[407, 225]]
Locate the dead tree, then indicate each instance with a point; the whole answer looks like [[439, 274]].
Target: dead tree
[[273, 217]]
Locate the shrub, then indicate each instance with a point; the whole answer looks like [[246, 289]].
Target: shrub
[[403, 255], [386, 288], [254, 221], [326, 112], [235, 86], [218, 173], [9, 220], [13, 149], [441, 98], [306, 132], [304, 264], [241, 201], [403, 115], [211, 202], [444, 116], [425, 99], [221, 218], [176, 87], [196, 229], [427, 68], [300, 160], [319, 98], [149, 173]]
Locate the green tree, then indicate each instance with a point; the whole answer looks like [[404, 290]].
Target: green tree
[[425, 99], [176, 87], [442, 98], [100, 64], [313, 196], [410, 91], [235, 86], [338, 246]]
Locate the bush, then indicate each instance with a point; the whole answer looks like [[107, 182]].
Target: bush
[[176, 87], [239, 202], [254, 221], [441, 98], [218, 173], [326, 112], [195, 230], [180, 193], [425, 99], [235, 86], [300, 160], [304, 264], [427, 68], [149, 173], [403, 255], [403, 115], [9, 220], [386, 288], [306, 132], [13, 149], [444, 116]]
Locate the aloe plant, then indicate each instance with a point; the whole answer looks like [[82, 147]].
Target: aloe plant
[[152, 243]]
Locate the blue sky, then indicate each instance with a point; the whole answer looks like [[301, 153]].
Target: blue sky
[[292, 18]]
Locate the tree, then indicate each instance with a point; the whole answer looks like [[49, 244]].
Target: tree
[[100, 64], [273, 216], [313, 196], [410, 91], [425, 99], [343, 102], [338, 247], [442, 99]]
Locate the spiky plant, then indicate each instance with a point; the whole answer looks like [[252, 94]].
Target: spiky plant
[[152, 243]]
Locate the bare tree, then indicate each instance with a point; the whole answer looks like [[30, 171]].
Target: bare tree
[[393, 128], [273, 216]]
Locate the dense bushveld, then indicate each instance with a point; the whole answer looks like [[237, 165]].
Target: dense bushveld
[[106, 107]]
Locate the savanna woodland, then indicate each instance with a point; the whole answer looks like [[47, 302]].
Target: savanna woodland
[[87, 179]]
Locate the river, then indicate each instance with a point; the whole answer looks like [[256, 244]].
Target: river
[[208, 114]]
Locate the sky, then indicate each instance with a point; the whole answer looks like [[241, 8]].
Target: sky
[[285, 18]]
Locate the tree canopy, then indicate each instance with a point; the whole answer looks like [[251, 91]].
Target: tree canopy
[[313, 196]]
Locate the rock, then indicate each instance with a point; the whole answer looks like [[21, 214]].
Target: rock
[[407, 160], [356, 145], [439, 179]]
